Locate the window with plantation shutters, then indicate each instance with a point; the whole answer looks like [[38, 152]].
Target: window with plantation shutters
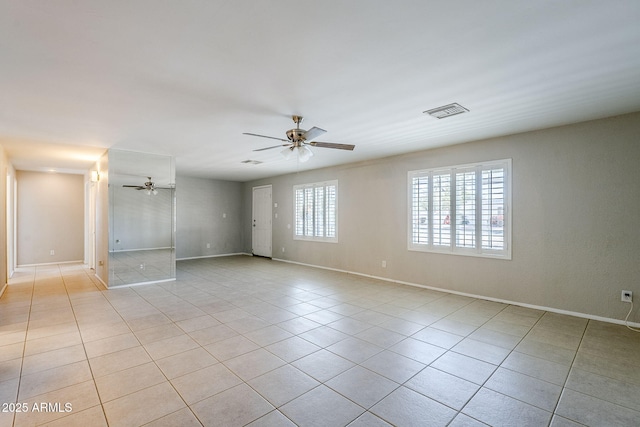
[[419, 209], [466, 208], [316, 211], [461, 209], [441, 209], [493, 207]]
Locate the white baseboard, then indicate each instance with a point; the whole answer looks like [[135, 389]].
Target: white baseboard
[[151, 282], [139, 250], [212, 256], [51, 263], [503, 301], [104, 285]]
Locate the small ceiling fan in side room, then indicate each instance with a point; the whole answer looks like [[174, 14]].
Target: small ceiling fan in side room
[[148, 186], [298, 141]]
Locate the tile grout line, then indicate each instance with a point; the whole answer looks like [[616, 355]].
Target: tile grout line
[[93, 379], [24, 346], [571, 367]]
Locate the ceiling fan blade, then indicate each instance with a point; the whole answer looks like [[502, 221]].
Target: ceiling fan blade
[[133, 186], [264, 136], [313, 133], [275, 146], [333, 145]]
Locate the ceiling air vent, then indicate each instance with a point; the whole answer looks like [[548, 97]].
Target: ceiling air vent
[[446, 111], [251, 162]]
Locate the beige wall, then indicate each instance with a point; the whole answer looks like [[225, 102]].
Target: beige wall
[[576, 238], [208, 212], [50, 217]]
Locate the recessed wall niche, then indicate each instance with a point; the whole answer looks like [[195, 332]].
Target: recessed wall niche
[[142, 218]]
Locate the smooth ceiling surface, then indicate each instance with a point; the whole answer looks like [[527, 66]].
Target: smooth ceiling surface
[[188, 78]]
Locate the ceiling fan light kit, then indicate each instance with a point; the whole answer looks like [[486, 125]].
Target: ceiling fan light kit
[[286, 153], [299, 140], [304, 153]]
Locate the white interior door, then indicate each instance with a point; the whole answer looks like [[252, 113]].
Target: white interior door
[[261, 221]]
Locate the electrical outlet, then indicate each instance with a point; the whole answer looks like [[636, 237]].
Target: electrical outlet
[[384, 264], [208, 245], [627, 296], [52, 252]]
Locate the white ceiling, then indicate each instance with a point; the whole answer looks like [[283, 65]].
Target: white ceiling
[[188, 78]]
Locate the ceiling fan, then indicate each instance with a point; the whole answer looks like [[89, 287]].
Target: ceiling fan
[[148, 186], [299, 140]]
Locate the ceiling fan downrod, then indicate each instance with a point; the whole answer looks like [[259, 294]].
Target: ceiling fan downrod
[[297, 120]]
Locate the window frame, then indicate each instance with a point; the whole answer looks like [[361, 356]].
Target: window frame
[[327, 212], [479, 215]]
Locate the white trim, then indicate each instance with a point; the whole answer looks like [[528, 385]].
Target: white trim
[[151, 282], [141, 249], [104, 285], [213, 256], [482, 297], [52, 263]]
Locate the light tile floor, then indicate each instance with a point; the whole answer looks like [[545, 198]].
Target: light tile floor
[[126, 267], [249, 341]]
